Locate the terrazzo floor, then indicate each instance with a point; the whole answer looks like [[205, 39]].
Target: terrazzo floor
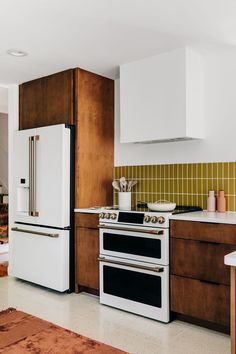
[[83, 314]]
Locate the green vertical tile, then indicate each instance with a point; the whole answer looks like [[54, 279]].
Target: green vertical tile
[[185, 171], [204, 170], [231, 186], [226, 169], [210, 170], [215, 169], [158, 171], [220, 170], [231, 169]]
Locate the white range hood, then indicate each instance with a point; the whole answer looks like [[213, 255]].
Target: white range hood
[[162, 98]]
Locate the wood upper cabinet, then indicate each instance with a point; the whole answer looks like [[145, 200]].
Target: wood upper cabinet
[[94, 155], [47, 101], [31, 104]]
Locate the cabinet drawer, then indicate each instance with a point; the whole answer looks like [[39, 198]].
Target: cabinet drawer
[[203, 231], [200, 260], [201, 300], [86, 220]]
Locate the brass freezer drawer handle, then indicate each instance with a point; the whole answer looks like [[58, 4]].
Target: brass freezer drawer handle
[[153, 232], [35, 232], [153, 269]]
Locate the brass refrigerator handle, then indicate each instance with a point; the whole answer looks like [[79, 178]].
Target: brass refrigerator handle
[[115, 228], [35, 139], [32, 175], [35, 232], [131, 265]]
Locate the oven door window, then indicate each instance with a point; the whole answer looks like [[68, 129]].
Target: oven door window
[[131, 285], [141, 246]]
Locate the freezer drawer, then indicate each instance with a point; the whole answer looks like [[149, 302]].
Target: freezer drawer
[[40, 255]]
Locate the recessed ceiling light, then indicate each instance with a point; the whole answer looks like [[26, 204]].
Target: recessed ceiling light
[[16, 53]]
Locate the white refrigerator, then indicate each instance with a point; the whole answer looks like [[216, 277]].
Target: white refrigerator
[[41, 241]]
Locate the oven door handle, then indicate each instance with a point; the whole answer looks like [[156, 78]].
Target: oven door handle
[[153, 269], [155, 232]]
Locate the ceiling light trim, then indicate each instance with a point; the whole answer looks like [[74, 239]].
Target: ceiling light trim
[[17, 53]]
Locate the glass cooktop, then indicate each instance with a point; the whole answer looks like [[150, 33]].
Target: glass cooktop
[[142, 207]]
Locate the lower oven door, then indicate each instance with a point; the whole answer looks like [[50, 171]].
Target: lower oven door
[[137, 287]]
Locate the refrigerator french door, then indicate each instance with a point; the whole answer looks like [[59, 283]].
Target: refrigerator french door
[[41, 238]]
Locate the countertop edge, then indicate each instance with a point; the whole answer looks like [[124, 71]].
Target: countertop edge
[[230, 259], [205, 216], [88, 210]]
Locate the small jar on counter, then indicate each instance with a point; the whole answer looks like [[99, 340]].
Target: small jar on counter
[[221, 202], [211, 201]]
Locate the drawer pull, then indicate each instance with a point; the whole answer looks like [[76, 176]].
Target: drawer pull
[[209, 282], [210, 243], [131, 265]]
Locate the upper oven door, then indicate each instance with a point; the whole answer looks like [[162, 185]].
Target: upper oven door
[[135, 244]]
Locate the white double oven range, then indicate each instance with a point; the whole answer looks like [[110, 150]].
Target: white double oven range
[[134, 261]]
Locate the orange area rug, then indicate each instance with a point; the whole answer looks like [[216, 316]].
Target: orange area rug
[[3, 269], [21, 333]]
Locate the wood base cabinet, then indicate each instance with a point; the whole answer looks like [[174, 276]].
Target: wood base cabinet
[[87, 252], [199, 278], [199, 299]]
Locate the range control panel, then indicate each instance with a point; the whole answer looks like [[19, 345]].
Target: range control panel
[[133, 218]]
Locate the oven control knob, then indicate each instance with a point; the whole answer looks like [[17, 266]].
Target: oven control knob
[[107, 216], [154, 219], [161, 220], [113, 216], [147, 218], [101, 216]]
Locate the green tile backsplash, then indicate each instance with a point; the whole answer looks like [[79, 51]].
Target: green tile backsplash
[[184, 184]]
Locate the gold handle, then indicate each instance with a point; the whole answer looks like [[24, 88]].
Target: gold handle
[[155, 232], [35, 232], [131, 265], [35, 139], [30, 176]]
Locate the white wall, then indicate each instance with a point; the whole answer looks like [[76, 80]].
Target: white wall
[[13, 124], [3, 99], [4, 151], [220, 117]]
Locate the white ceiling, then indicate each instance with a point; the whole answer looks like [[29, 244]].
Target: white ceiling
[[98, 35]]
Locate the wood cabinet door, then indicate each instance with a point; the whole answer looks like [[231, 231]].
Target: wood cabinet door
[[31, 104], [87, 251], [203, 231], [47, 101], [87, 220], [59, 98], [200, 260], [201, 300], [94, 153]]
